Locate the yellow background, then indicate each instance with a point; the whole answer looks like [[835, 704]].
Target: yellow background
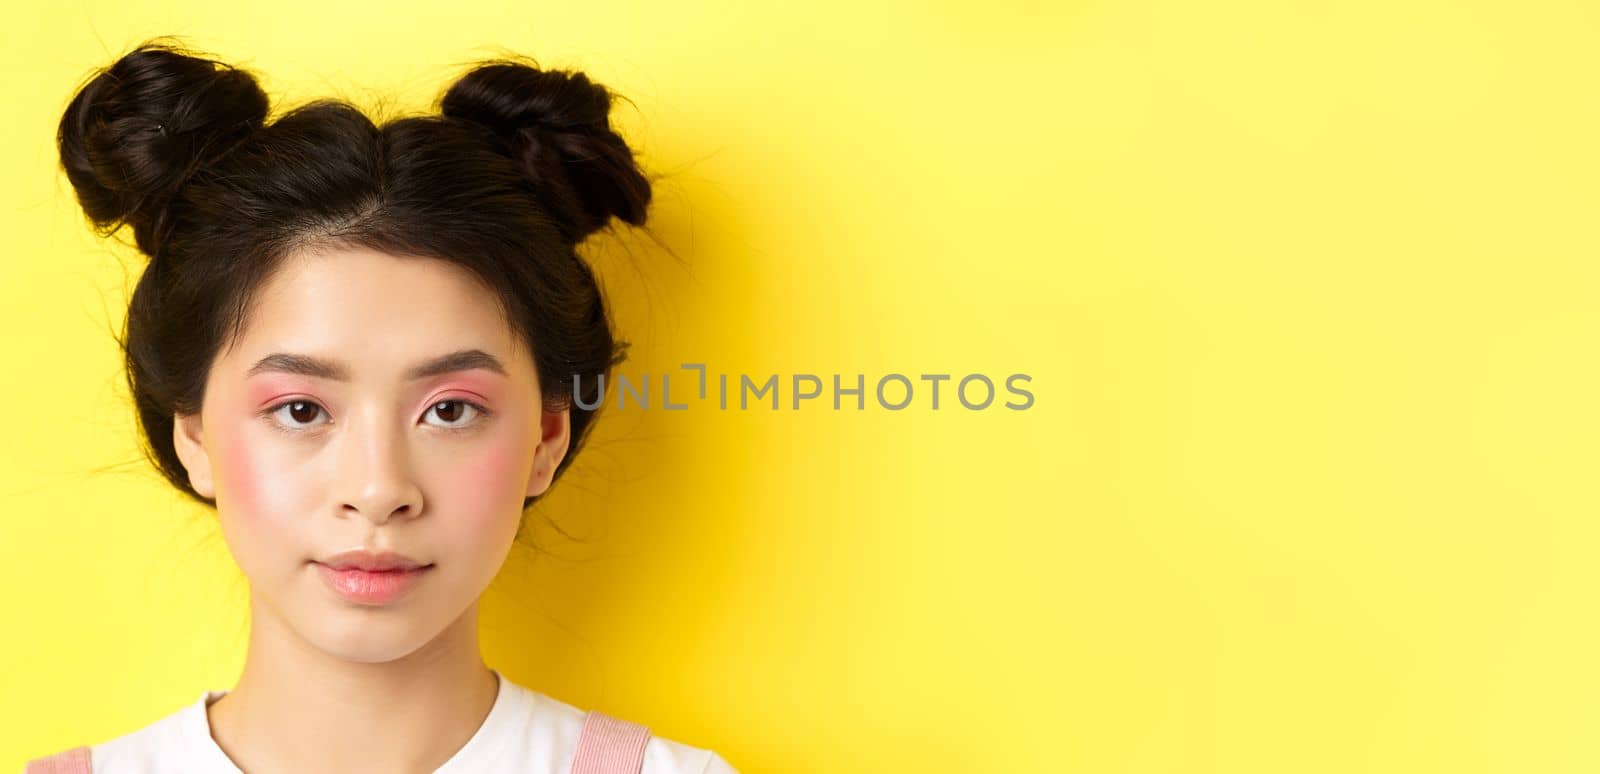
[[1308, 296]]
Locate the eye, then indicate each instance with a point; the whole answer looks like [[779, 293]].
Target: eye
[[452, 411], [299, 412], [298, 415]]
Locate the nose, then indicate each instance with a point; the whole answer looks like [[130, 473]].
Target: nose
[[374, 474]]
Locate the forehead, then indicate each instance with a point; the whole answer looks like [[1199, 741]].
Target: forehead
[[365, 306]]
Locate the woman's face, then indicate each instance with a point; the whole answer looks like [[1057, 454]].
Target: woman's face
[[372, 403]]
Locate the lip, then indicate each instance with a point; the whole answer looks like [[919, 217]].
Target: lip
[[366, 578], [362, 559]]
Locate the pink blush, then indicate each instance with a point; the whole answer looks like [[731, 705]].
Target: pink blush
[[238, 470], [487, 482]]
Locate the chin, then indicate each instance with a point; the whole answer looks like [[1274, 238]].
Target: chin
[[369, 640]]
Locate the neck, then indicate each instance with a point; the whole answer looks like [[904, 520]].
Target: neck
[[299, 708]]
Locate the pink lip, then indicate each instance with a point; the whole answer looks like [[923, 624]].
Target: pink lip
[[371, 587], [362, 559]]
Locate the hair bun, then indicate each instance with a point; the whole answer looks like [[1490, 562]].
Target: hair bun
[[557, 125], [141, 127]]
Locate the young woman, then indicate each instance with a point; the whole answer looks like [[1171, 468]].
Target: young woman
[[360, 344]]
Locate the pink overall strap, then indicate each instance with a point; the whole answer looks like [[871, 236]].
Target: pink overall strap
[[73, 761], [609, 745]]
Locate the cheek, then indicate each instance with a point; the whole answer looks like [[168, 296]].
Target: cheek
[[489, 482], [478, 500], [256, 488], [250, 506], [481, 481], [236, 474]]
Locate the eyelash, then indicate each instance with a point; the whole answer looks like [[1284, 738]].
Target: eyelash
[[482, 415]]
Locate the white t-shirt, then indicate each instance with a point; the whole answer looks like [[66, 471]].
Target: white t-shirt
[[525, 732]]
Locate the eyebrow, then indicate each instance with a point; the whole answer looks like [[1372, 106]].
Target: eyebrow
[[307, 365]]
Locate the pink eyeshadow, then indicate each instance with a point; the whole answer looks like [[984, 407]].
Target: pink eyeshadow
[[485, 387], [263, 390]]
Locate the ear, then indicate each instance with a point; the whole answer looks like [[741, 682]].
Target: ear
[[187, 439], [555, 429]]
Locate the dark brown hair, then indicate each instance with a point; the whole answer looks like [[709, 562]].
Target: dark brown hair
[[518, 166]]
